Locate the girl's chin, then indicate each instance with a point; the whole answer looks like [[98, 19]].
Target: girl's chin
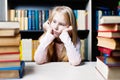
[[56, 36]]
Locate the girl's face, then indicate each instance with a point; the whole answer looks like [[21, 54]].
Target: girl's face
[[58, 24]]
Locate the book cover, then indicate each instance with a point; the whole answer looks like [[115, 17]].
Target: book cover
[[108, 27], [109, 52], [7, 49], [113, 34], [110, 43], [9, 63], [8, 32], [112, 61], [12, 72], [9, 24], [10, 41], [11, 56], [109, 19], [26, 49], [108, 72]]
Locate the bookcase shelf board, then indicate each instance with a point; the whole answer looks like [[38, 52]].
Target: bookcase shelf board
[[36, 3], [83, 34], [36, 34], [31, 34]]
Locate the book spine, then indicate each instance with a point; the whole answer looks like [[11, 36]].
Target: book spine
[[29, 19]]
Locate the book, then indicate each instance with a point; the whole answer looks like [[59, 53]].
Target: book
[[10, 41], [108, 72], [109, 52], [9, 63], [12, 72], [8, 32], [113, 34], [26, 49], [111, 43], [109, 19], [9, 25], [108, 27], [9, 56], [110, 60], [5, 49]]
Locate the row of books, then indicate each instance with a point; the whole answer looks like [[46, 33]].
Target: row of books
[[29, 46], [34, 19], [10, 64], [108, 63]]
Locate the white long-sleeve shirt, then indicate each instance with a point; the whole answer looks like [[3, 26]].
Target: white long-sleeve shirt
[[72, 51]]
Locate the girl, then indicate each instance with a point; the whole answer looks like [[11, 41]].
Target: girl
[[59, 41]]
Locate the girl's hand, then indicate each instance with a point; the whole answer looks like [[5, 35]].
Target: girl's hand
[[69, 29], [46, 27]]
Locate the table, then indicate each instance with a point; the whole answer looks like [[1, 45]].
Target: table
[[59, 71]]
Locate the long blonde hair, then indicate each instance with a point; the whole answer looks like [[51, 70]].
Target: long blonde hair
[[70, 19]]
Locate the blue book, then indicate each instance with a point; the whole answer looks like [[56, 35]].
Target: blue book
[[29, 19], [33, 20], [46, 15], [36, 19], [12, 72]]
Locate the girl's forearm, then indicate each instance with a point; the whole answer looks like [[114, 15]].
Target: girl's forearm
[[41, 52], [73, 52]]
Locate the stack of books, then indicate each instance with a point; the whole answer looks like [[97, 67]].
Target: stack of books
[[10, 64], [108, 63]]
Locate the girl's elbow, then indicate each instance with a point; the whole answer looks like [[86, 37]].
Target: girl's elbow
[[39, 61], [76, 62]]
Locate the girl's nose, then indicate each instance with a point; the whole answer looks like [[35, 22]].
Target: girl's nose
[[56, 27]]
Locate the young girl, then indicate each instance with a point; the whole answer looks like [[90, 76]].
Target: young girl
[[59, 41]]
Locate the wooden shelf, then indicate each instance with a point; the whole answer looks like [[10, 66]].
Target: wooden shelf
[[83, 34], [36, 34], [37, 3], [31, 34]]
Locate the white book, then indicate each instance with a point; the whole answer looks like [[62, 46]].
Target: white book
[[9, 25], [81, 20], [109, 19], [27, 49]]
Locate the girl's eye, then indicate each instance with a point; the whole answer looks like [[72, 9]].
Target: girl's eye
[[54, 21], [62, 24]]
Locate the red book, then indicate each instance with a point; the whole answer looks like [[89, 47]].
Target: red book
[[10, 56], [109, 28], [9, 63], [109, 52]]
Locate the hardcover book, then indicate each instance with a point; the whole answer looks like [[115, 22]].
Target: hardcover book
[[10, 41], [108, 72], [109, 52], [109, 19], [10, 56], [8, 32], [110, 43], [7, 49], [12, 72], [113, 34], [108, 27], [9, 63]]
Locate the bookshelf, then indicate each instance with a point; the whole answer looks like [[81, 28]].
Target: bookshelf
[[45, 4]]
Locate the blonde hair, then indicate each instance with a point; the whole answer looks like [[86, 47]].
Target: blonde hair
[[70, 19]]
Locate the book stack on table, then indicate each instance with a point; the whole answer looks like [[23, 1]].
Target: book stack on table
[[108, 63], [10, 64]]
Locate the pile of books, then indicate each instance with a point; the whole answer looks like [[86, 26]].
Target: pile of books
[[10, 64], [108, 63]]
